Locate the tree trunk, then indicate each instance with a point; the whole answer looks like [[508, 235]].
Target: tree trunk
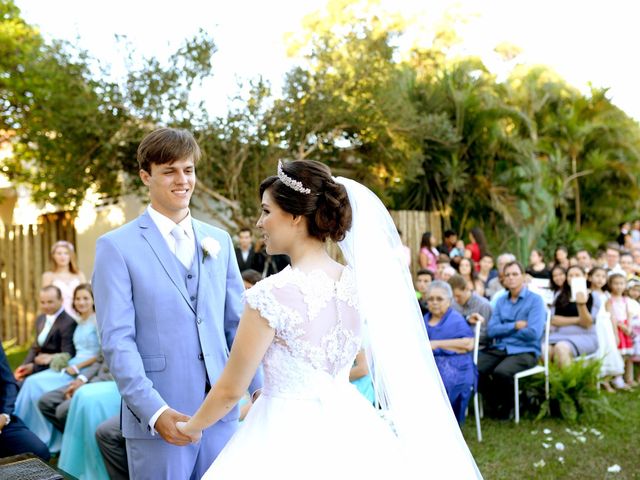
[[576, 191]]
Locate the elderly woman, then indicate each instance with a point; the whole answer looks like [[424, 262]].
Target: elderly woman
[[572, 331], [452, 342]]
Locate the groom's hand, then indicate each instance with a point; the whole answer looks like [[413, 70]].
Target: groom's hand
[[166, 427]]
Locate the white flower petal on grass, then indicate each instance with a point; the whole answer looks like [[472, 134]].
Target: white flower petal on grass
[[545, 445], [597, 433], [561, 459], [581, 439], [612, 469], [534, 432], [541, 464], [559, 446], [546, 431], [549, 439]]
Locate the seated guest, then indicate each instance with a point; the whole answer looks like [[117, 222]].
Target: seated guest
[[443, 262], [54, 334], [537, 268], [452, 344], [516, 326], [423, 278], [584, 260], [495, 285], [428, 255], [245, 255], [572, 331], [449, 243], [361, 378], [15, 437], [250, 277], [87, 348], [486, 272], [113, 448], [471, 306], [54, 405], [90, 406]]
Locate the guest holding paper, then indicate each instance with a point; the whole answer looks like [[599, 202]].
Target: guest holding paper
[[572, 330]]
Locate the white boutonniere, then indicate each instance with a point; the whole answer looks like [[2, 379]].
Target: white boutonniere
[[210, 246]]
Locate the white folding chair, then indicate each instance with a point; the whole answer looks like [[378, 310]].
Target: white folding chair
[[544, 368], [476, 403]]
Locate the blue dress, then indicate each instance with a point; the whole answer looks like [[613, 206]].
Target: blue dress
[[458, 372], [91, 405], [365, 387], [87, 345]]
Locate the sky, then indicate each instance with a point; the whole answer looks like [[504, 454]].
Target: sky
[[585, 41]]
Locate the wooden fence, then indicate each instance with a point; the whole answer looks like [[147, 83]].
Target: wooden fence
[[24, 256]]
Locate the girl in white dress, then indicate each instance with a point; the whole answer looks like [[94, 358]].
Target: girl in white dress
[[306, 324], [64, 273]]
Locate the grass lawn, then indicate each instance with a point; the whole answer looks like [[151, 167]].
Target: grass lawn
[[509, 451]]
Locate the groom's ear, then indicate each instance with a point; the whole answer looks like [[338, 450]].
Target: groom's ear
[[144, 176]]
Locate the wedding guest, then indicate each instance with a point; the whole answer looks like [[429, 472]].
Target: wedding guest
[[250, 278], [245, 255], [558, 279], [404, 249], [449, 243], [54, 334], [90, 406], [516, 327], [87, 349], [443, 262], [473, 307], [495, 285], [15, 437], [428, 256], [447, 273], [537, 268], [626, 264], [477, 246], [584, 260], [113, 448], [613, 258], [423, 278], [64, 273], [360, 377], [612, 364], [451, 340], [624, 232], [486, 272], [618, 306], [467, 271], [572, 330], [561, 257]]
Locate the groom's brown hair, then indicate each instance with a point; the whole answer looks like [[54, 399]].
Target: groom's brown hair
[[167, 145]]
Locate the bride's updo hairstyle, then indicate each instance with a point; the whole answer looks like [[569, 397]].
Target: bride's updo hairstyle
[[306, 187]]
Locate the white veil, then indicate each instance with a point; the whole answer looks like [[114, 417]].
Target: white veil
[[406, 378]]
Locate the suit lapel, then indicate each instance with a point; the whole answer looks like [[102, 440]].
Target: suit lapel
[[203, 275], [167, 259]]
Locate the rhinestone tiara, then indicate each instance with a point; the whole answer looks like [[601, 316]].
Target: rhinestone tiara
[[290, 182]]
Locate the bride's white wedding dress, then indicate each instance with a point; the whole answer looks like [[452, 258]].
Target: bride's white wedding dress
[[310, 422]]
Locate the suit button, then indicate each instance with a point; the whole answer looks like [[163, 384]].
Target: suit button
[[192, 298], [200, 356], [189, 276], [199, 321]]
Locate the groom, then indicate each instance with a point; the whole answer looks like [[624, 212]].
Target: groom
[[168, 300]]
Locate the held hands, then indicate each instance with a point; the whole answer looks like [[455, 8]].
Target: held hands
[[166, 427], [71, 388], [195, 436], [23, 371]]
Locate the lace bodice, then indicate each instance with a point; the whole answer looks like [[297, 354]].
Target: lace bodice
[[317, 329]]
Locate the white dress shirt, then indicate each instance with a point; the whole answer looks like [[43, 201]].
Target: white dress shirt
[[166, 225], [48, 325]]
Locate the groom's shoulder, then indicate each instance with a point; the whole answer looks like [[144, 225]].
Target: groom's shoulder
[[211, 230], [122, 232]]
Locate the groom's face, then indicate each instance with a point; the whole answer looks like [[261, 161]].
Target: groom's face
[[170, 187]]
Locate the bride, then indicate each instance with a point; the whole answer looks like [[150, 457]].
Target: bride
[[307, 323]]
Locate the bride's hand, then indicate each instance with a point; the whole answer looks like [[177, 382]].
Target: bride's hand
[[194, 436]]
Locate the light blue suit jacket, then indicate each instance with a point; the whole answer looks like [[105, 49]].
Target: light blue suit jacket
[[159, 349]]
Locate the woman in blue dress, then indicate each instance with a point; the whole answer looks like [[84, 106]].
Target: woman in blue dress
[[451, 340], [87, 345]]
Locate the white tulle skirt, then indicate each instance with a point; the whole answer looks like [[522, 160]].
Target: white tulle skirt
[[334, 436]]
